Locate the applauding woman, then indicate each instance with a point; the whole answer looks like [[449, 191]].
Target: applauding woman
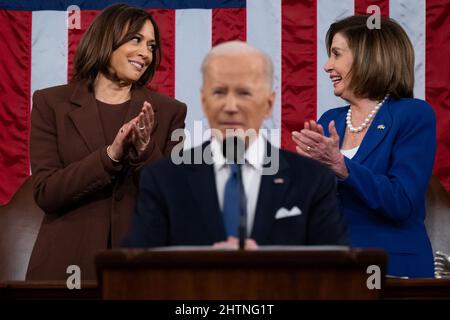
[[381, 146], [90, 138]]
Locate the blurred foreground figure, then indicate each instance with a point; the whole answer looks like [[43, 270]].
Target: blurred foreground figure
[[288, 199]]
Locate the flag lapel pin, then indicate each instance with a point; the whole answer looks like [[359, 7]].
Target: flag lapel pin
[[278, 180]]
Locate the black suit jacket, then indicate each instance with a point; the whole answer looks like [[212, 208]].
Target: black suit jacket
[[178, 205]]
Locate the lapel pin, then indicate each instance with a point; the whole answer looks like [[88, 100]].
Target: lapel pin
[[278, 180], [381, 127]]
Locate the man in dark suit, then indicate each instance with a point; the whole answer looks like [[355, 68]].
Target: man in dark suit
[[290, 200]]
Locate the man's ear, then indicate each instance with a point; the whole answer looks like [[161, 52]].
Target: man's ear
[[202, 98], [270, 104]]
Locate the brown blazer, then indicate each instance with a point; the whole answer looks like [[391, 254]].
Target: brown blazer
[[84, 194]]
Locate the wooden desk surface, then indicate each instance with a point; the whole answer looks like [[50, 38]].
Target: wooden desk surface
[[416, 289], [271, 273], [48, 290]]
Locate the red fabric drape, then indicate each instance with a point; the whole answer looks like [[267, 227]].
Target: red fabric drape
[[437, 77], [361, 6], [228, 24], [164, 79], [299, 48], [15, 68]]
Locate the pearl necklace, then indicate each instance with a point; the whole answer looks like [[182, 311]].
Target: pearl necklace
[[366, 120]]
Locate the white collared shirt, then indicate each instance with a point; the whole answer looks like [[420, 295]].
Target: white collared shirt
[[350, 153], [251, 174]]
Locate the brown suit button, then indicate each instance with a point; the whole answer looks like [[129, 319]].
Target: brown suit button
[[118, 196]]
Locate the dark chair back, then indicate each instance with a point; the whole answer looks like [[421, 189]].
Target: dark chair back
[[20, 221], [438, 216]]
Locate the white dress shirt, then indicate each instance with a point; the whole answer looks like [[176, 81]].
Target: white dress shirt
[[251, 174], [350, 153]]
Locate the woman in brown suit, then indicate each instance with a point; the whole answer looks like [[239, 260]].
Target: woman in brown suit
[[90, 138]]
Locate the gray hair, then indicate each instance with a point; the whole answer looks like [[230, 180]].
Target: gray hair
[[236, 48]]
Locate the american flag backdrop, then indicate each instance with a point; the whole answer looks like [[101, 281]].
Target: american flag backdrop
[[37, 46]]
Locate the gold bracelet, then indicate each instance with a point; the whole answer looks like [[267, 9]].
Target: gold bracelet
[[107, 152]]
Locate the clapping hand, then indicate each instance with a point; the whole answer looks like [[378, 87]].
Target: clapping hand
[[142, 128], [136, 132], [312, 143]]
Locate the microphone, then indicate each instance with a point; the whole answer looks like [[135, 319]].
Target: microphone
[[233, 149]]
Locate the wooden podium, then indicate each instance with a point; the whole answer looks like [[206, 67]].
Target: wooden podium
[[271, 274]]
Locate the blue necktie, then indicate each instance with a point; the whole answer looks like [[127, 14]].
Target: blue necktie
[[231, 205]]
